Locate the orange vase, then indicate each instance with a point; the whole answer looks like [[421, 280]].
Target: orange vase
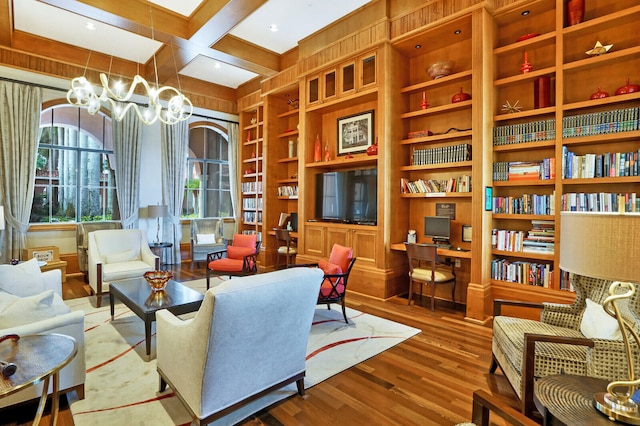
[[317, 153]]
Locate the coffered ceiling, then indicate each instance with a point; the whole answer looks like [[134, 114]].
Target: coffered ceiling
[[224, 42]]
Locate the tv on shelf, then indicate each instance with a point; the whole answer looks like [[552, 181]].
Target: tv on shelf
[[348, 196], [438, 228]]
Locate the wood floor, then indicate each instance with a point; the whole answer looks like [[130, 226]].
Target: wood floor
[[426, 380]]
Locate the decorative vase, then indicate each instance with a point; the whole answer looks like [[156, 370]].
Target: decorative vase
[[327, 154], [575, 11], [317, 153], [526, 66], [542, 92], [373, 149]]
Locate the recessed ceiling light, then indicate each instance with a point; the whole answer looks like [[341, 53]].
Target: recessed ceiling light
[[456, 32], [217, 65], [90, 26], [273, 27], [525, 12], [418, 46]]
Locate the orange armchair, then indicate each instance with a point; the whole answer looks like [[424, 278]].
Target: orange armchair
[[239, 259]]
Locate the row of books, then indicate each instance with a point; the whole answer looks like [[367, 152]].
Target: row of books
[[252, 203], [603, 122], [255, 187], [525, 204], [522, 272], [524, 170], [288, 191], [535, 131], [253, 232], [441, 154], [252, 217], [599, 165], [565, 281], [423, 186], [627, 202], [539, 239]]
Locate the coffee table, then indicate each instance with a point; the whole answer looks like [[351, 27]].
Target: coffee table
[[137, 295]]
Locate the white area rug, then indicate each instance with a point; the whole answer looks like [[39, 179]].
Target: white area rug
[[122, 388]]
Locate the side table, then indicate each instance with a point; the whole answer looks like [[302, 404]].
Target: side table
[[568, 400], [38, 358], [158, 249]]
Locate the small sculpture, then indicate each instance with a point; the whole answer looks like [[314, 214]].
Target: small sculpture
[[599, 49], [317, 153], [526, 66], [327, 154], [424, 104], [508, 108]]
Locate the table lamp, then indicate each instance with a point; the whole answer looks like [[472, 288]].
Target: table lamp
[[607, 246], [157, 211]]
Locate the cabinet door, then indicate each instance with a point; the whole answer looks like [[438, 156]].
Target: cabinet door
[[314, 240], [347, 78], [330, 85], [368, 75], [313, 90], [364, 245], [340, 236]]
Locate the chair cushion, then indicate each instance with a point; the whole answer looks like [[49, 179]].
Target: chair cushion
[[341, 256], [23, 279], [597, 324], [329, 268], [205, 238], [15, 311], [124, 270], [234, 252], [122, 256], [425, 275], [326, 289], [243, 240], [226, 265]]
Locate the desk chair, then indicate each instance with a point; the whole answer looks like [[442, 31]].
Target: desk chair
[[425, 268], [286, 247]]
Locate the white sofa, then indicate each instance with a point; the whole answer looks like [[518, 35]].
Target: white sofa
[[48, 315], [248, 338], [118, 254]]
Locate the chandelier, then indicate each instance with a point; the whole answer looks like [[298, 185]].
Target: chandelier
[[166, 103]]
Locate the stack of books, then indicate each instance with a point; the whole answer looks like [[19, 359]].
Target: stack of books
[[524, 170], [541, 237]]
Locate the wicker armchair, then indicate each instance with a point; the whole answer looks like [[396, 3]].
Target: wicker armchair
[[526, 350]]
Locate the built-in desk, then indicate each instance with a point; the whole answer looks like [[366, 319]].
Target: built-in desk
[[460, 254], [273, 233]]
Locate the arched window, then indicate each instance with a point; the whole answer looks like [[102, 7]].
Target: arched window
[[75, 170], [207, 187]]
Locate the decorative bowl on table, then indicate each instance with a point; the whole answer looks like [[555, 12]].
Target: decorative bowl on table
[[158, 279], [440, 69]]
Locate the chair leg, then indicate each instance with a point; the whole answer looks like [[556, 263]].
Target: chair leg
[[453, 295], [344, 312], [433, 296], [494, 365], [410, 291], [208, 276]]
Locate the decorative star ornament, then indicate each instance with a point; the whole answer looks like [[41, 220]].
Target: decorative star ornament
[[599, 49], [508, 108]]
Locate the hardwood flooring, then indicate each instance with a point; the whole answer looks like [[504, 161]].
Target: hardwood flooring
[[426, 380]]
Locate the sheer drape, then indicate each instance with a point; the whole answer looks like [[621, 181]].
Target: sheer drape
[[127, 140], [175, 145], [20, 107], [234, 175]]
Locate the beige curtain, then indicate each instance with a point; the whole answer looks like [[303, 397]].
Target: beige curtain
[[174, 149], [20, 107], [127, 140], [234, 170]]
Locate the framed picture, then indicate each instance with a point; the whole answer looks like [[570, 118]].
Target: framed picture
[[355, 133], [466, 233]]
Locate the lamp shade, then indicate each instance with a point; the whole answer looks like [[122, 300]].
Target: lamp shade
[[601, 245], [159, 210], [1, 218]]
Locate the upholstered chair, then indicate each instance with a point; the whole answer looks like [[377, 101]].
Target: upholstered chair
[[206, 237], [82, 242], [287, 248], [240, 258], [578, 338], [425, 267], [241, 344]]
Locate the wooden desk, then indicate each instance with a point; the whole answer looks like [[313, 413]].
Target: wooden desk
[[273, 233], [441, 252]]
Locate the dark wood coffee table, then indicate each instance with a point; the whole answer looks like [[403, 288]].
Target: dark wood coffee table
[[138, 296]]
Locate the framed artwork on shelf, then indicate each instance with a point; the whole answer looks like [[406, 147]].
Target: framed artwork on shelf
[[466, 233], [355, 133]]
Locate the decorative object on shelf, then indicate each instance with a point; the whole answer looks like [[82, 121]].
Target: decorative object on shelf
[[613, 258], [248, 135], [411, 236], [355, 132], [526, 66], [424, 104], [440, 69], [327, 154], [249, 171], [292, 149], [348, 156], [293, 103], [542, 92], [599, 94], [460, 97], [508, 108], [527, 36], [575, 11], [373, 149], [599, 49], [157, 211], [254, 120], [253, 154], [628, 88], [158, 279], [317, 152]]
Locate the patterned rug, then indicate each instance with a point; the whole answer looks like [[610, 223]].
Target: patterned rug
[[122, 388]]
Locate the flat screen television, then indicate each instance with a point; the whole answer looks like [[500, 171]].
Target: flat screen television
[[438, 228], [348, 196]]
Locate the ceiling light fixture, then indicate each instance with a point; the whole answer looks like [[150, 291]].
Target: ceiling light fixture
[[525, 12], [456, 32], [178, 107], [273, 27]]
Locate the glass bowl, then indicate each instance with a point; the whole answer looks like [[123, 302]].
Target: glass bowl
[[158, 279]]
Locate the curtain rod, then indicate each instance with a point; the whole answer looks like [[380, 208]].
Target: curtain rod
[[43, 86]]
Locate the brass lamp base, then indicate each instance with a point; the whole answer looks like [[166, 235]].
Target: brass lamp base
[[621, 411]]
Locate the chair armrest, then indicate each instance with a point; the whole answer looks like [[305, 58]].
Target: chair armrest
[[483, 403], [52, 280], [498, 303], [216, 255]]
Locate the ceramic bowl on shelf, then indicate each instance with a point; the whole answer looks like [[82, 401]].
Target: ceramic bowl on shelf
[[460, 97], [599, 94], [628, 88], [440, 69]]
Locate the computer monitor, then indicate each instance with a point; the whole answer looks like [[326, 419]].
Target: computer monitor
[[438, 228]]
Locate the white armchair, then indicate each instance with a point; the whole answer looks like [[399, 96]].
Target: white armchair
[[241, 343], [118, 254]]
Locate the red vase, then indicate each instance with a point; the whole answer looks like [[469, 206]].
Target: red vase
[[317, 152], [575, 11]]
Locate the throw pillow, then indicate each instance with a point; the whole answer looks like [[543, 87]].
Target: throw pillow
[[23, 279], [205, 238], [123, 256], [329, 268], [341, 255], [597, 324], [26, 310]]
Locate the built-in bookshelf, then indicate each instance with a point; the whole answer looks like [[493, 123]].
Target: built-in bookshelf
[[252, 165]]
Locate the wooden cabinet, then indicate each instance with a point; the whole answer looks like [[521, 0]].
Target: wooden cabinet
[[363, 239]]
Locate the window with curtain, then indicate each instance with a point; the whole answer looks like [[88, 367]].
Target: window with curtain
[[207, 187], [75, 170]]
